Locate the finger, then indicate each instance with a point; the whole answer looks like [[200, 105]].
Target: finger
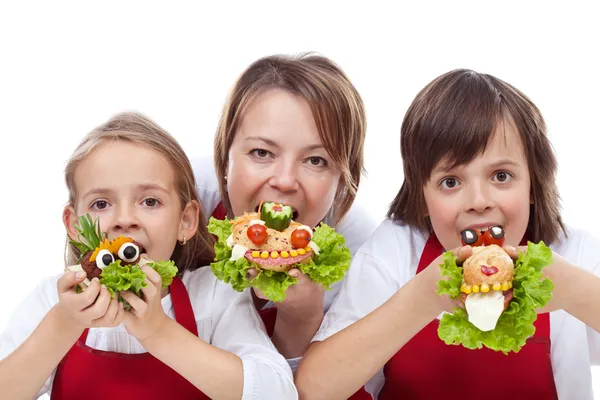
[[89, 296], [512, 252], [152, 276], [149, 292], [120, 314], [295, 273], [110, 314], [99, 308], [69, 280], [462, 253], [259, 294], [252, 273], [138, 306]]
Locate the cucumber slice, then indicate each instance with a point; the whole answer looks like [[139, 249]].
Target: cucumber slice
[[276, 215]]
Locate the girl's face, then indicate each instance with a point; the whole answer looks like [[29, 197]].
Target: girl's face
[[493, 189], [277, 155], [132, 190]]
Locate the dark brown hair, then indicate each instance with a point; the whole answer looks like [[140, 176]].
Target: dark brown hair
[[452, 120], [336, 106]]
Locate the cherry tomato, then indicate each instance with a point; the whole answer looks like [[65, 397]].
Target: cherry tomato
[[472, 237], [257, 234], [494, 235], [300, 238]]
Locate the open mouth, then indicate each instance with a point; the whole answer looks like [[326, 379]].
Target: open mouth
[[294, 212]]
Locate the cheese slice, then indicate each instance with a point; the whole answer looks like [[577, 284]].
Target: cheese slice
[[238, 252], [314, 247], [484, 309], [230, 243]]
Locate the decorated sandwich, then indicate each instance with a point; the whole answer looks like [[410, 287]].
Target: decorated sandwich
[[270, 241], [116, 263], [500, 296]]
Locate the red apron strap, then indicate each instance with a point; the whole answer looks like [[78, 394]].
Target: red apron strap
[[219, 212], [433, 248], [184, 313]]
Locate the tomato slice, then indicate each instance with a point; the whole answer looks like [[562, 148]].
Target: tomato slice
[[300, 238], [257, 234], [494, 235]]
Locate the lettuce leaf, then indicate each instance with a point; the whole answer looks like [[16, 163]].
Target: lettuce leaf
[[326, 268], [515, 325], [118, 278], [333, 260]]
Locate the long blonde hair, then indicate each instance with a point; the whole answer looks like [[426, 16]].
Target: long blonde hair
[[139, 129]]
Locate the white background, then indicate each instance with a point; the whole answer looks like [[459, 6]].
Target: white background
[[67, 67]]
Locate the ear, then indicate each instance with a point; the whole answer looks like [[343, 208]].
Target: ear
[[190, 218], [69, 218]]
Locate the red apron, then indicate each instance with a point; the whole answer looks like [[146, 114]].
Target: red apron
[[86, 373], [427, 368], [269, 315]]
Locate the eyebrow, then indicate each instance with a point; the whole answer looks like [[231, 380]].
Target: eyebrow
[[445, 168], [274, 144], [142, 187]]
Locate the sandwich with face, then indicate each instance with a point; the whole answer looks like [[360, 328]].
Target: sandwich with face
[[488, 283], [271, 242], [116, 263]]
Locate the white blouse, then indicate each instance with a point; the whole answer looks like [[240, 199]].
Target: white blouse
[[390, 259], [225, 318]]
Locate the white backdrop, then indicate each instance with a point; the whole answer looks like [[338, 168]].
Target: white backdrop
[[66, 67]]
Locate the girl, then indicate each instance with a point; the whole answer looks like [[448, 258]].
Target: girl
[[200, 340], [489, 162], [293, 131]]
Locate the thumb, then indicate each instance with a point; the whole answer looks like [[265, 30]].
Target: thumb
[[70, 279]]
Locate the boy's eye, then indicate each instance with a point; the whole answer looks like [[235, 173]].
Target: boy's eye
[[317, 161], [449, 183], [100, 205], [502, 176]]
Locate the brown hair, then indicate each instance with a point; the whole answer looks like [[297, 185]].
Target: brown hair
[[138, 129], [336, 106], [452, 119]]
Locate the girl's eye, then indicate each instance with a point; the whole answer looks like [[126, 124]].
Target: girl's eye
[[150, 202], [449, 183], [317, 161], [503, 176], [99, 205], [260, 153]]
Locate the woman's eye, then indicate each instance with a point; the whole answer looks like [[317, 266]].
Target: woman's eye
[[317, 161], [260, 153], [99, 205], [449, 183], [502, 176]]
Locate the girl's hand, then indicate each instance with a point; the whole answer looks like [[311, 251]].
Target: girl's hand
[[146, 316], [91, 308], [303, 301]]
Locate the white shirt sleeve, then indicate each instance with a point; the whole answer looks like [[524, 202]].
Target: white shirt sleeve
[[591, 259], [27, 317], [207, 184], [378, 270], [237, 328], [581, 249]]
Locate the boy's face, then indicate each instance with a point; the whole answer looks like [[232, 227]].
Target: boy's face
[[277, 155], [132, 190], [493, 189]]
